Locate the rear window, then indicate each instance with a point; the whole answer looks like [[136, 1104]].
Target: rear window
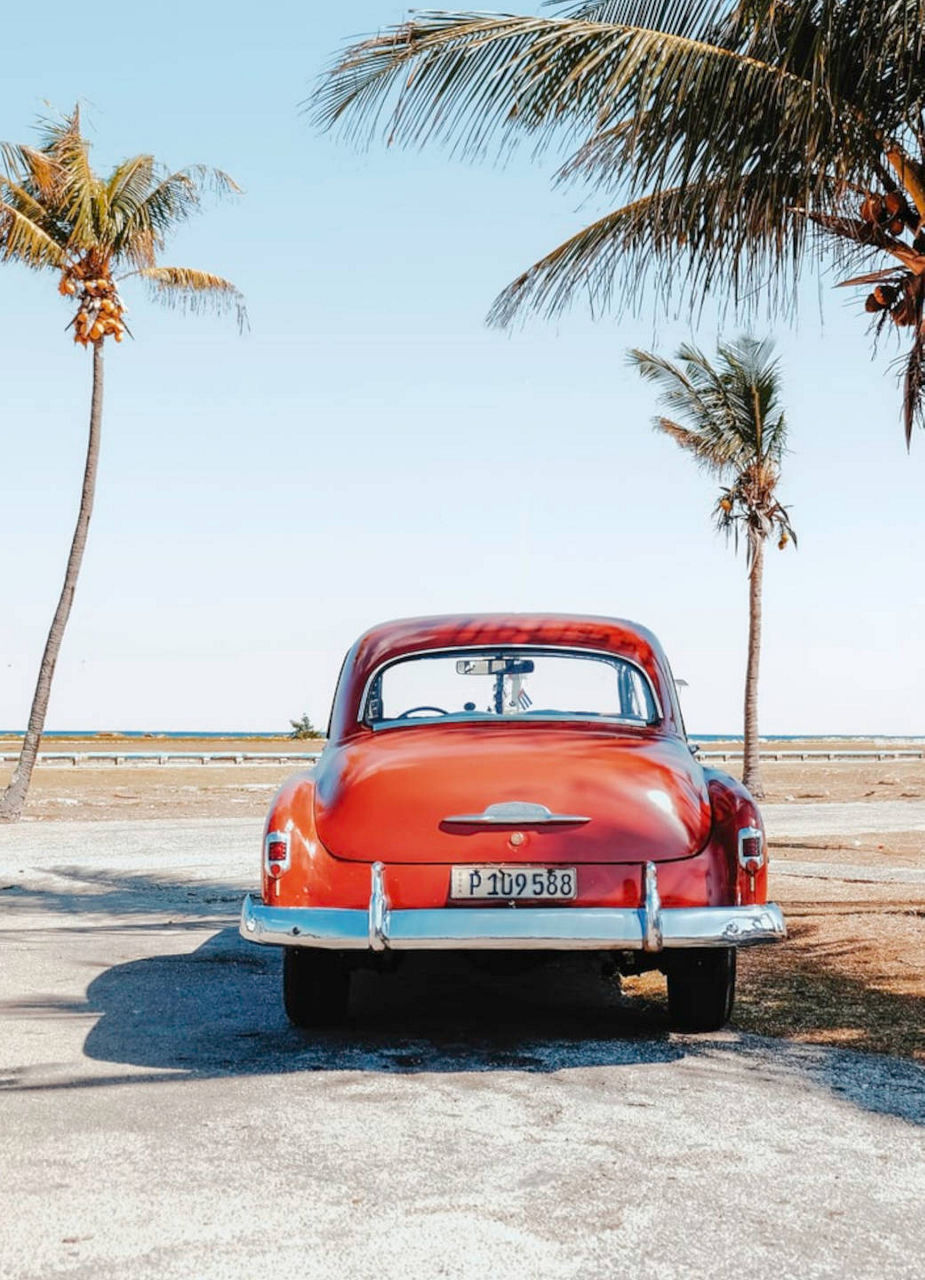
[[510, 684]]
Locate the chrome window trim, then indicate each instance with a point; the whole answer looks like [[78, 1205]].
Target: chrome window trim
[[543, 648]]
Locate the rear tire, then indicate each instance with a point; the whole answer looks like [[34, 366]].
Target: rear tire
[[701, 988], [316, 987]]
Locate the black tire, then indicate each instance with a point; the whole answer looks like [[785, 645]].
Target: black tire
[[701, 988], [316, 987]]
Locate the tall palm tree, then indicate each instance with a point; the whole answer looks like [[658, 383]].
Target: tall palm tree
[[57, 214], [734, 427], [740, 139]]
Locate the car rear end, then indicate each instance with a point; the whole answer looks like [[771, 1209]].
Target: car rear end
[[521, 795]]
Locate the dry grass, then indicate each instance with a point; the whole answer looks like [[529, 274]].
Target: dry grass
[[850, 975]]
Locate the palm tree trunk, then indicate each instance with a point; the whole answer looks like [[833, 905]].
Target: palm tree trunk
[[14, 797], [752, 767]]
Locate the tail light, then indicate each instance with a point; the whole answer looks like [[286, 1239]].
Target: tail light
[[751, 850], [276, 853]]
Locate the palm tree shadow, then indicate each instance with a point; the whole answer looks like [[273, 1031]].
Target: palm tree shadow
[[75, 891]]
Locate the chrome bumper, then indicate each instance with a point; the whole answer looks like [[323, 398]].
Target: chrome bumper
[[650, 927]]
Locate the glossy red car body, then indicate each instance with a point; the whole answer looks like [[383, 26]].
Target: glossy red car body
[[655, 822], [382, 796]]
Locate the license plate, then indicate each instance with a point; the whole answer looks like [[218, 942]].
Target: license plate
[[515, 884]]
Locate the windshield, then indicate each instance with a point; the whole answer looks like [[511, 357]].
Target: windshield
[[510, 684]]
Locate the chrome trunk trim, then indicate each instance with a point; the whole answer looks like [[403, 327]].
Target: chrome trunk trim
[[514, 813]]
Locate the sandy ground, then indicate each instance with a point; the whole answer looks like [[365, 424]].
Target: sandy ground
[[159, 1119]]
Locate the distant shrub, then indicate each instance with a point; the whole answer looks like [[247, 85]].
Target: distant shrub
[[303, 728]]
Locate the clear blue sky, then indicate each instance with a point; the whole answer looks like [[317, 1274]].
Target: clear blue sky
[[371, 450]]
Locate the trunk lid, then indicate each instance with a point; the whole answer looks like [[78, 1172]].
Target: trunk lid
[[388, 796]]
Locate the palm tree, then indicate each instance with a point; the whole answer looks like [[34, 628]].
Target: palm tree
[[57, 214], [740, 140], [735, 428]]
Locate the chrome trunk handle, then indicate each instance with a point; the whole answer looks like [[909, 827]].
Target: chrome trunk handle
[[516, 813]]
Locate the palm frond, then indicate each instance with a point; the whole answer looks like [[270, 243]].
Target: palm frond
[[871, 277], [700, 107], [718, 429], [914, 384], [663, 15], [23, 239], [472, 80], [82, 195], [737, 137], [172, 199], [689, 391], [194, 291], [31, 205], [693, 443], [731, 424], [701, 241], [26, 164], [128, 185], [752, 378]]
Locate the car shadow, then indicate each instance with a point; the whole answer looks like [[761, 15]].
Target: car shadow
[[216, 1012]]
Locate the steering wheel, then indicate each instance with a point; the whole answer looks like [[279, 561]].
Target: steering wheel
[[411, 710]]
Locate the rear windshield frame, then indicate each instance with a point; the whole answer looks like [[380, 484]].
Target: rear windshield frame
[[577, 651]]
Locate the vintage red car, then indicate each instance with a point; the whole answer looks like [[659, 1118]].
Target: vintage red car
[[511, 782]]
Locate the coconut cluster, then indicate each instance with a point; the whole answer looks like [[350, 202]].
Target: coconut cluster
[[902, 296], [765, 520], [890, 212], [901, 300], [100, 309]]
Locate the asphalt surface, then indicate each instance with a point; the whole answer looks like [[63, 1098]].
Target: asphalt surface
[[842, 818], [158, 1117]]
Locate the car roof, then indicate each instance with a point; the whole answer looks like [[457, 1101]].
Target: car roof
[[403, 636]]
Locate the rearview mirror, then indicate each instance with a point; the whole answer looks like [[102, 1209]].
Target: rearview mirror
[[494, 666]]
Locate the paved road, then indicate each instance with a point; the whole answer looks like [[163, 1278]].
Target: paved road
[[159, 1119], [842, 818]]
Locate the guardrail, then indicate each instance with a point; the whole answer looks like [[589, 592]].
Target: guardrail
[[817, 755], [168, 757], [287, 757]]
